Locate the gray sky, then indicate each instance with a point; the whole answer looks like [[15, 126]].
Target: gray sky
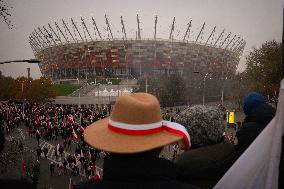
[[256, 20]]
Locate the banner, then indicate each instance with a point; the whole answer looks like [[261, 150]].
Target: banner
[[258, 166]]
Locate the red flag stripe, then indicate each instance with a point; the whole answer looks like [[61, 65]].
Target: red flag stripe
[[145, 129]]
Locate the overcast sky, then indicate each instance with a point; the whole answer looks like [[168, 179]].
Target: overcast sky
[[256, 21]]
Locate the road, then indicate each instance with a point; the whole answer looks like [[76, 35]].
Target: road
[[62, 181], [45, 179]]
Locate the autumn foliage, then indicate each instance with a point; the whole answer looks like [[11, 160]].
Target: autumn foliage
[[38, 90], [264, 68]]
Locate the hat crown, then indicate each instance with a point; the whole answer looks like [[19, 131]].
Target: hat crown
[[251, 101], [136, 108]]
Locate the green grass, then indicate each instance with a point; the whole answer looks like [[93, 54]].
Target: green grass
[[65, 89]]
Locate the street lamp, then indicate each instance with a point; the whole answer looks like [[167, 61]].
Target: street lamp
[[204, 80], [28, 61], [146, 85], [222, 92]]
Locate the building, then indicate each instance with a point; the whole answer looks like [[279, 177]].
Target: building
[[82, 52]]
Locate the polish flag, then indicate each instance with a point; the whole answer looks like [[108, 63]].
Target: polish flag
[[89, 155], [82, 155], [71, 184], [98, 176], [82, 129], [70, 119], [74, 135]]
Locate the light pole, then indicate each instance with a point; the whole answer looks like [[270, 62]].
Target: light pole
[[146, 85], [204, 80], [222, 89], [29, 72], [117, 87], [22, 88]]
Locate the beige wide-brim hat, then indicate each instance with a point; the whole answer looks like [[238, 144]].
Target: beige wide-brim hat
[[118, 133]]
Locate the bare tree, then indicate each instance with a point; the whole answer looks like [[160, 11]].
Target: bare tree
[[5, 13]]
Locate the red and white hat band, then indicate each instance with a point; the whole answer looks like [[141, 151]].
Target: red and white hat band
[[144, 129]]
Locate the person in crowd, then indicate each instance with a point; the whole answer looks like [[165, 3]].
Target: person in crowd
[[85, 166], [64, 166], [231, 138], [7, 183], [61, 150], [37, 165], [21, 146], [60, 168], [97, 176], [134, 143], [45, 151], [51, 168], [258, 114], [175, 149], [93, 169], [56, 152], [38, 152], [38, 136], [210, 156], [30, 131], [69, 143]]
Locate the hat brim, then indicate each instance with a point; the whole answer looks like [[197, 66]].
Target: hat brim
[[99, 136]]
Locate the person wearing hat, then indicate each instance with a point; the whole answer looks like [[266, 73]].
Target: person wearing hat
[[134, 136], [210, 156], [258, 114]]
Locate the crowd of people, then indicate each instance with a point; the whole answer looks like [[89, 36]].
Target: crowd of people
[[57, 123], [210, 156]]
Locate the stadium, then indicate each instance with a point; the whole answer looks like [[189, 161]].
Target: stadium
[[72, 49]]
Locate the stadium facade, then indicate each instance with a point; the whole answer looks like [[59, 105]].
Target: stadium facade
[[70, 50]]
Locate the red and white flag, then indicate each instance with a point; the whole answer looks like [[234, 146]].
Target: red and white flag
[[57, 147], [89, 155], [71, 184], [74, 135], [70, 119], [82, 155], [82, 129]]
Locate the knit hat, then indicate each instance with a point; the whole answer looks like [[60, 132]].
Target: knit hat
[[204, 124], [252, 101]]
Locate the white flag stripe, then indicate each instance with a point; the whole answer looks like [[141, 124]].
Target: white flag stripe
[[135, 127], [177, 126]]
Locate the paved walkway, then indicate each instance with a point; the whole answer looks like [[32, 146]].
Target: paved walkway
[[51, 156], [45, 179]]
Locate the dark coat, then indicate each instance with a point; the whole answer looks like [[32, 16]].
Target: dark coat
[[253, 125], [136, 172], [16, 184], [205, 166]]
